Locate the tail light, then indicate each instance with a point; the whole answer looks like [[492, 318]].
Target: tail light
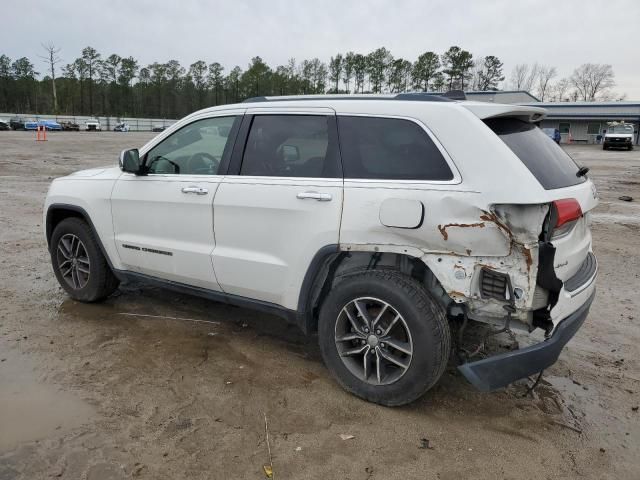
[[564, 215]]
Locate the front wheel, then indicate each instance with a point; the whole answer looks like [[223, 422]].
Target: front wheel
[[384, 337], [78, 263]]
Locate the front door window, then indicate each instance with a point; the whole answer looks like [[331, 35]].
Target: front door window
[[196, 149]]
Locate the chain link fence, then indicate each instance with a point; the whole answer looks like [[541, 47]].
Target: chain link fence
[[106, 123]]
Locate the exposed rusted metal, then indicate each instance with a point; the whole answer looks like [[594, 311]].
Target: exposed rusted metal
[[443, 228], [527, 255]]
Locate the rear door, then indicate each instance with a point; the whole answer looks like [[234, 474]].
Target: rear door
[[280, 203], [402, 190]]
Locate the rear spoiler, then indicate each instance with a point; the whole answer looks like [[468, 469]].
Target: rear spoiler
[[485, 110]]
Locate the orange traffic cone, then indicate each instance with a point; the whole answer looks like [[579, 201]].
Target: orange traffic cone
[[41, 133]]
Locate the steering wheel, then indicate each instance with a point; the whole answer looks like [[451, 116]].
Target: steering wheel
[[176, 167], [203, 163]]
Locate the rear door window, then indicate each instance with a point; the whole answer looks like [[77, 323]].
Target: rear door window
[[291, 146], [389, 149], [548, 162]]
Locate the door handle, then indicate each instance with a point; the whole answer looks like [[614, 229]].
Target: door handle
[[321, 197], [196, 190]]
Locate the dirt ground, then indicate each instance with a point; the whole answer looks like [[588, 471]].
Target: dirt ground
[[92, 392]]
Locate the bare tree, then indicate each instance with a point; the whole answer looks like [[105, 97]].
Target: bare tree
[[530, 81], [519, 76], [545, 74], [592, 80], [52, 58], [523, 76], [560, 89]]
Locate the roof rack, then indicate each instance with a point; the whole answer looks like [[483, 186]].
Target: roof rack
[[450, 96]]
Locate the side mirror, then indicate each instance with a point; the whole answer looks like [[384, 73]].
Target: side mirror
[[130, 161]]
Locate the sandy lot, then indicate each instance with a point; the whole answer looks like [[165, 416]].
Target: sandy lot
[[89, 393]]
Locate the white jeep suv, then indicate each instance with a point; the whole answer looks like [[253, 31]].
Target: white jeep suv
[[368, 219]]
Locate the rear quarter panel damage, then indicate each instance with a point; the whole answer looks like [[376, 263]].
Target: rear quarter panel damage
[[458, 237]]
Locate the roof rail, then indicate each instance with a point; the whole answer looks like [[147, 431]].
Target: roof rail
[[455, 95], [416, 97]]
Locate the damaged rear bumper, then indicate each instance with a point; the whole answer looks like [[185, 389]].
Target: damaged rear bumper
[[501, 370]]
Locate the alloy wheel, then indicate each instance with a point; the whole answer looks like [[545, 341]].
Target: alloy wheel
[[373, 341], [73, 261]]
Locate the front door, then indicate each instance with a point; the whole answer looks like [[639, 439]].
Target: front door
[[163, 221], [280, 206]]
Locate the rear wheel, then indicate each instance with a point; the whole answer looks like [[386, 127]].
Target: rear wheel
[[78, 263], [384, 337]]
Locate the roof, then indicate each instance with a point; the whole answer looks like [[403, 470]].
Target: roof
[[385, 104]]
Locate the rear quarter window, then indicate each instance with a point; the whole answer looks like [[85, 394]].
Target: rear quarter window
[[389, 149], [547, 161]]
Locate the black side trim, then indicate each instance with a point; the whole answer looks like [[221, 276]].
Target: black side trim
[[305, 300], [583, 275], [238, 147], [546, 277], [500, 370], [229, 147], [244, 302], [85, 216]]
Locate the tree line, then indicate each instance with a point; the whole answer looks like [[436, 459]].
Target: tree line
[[96, 84], [589, 82]]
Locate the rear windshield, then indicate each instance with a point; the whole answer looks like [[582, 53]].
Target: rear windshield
[[548, 162]]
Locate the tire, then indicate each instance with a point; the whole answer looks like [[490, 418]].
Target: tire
[[604, 147], [100, 282], [423, 322]]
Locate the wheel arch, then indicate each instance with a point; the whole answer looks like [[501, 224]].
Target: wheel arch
[[331, 262], [57, 212]]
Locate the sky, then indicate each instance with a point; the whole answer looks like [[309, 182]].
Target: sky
[[560, 33]]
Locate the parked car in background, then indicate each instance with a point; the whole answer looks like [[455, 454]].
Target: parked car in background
[[364, 219], [70, 126], [619, 135], [93, 124], [122, 127], [553, 134], [16, 123], [4, 125], [49, 125], [52, 125], [158, 128]]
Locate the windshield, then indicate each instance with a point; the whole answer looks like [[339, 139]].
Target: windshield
[[620, 129], [547, 161]]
